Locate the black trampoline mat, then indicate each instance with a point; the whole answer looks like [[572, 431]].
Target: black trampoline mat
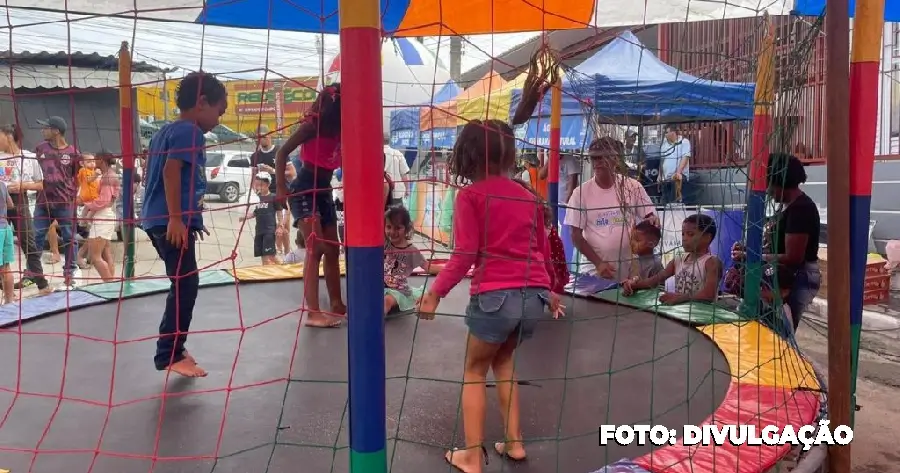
[[663, 372]]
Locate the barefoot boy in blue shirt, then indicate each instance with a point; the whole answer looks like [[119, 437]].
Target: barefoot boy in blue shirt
[[174, 189]]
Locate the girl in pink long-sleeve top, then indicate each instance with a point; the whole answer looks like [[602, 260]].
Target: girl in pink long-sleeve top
[[498, 226], [103, 219]]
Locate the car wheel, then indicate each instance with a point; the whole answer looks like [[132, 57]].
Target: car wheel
[[230, 193]]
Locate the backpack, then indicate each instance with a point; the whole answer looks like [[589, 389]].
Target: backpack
[[559, 266], [558, 262]]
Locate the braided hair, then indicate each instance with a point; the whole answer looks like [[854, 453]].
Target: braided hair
[[483, 148], [325, 111]]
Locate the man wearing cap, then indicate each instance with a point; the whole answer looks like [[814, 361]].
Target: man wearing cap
[[59, 162]]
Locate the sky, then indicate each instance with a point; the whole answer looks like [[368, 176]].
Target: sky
[[235, 53]]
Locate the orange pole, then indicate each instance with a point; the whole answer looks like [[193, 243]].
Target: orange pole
[[126, 127]]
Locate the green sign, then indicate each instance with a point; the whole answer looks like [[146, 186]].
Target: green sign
[[291, 95]]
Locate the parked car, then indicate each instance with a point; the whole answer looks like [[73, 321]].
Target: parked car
[[227, 135], [228, 174], [211, 138]]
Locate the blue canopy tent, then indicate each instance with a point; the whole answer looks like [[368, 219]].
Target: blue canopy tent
[[631, 86], [628, 85], [405, 135]]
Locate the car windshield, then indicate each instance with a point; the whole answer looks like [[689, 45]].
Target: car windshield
[[214, 160]]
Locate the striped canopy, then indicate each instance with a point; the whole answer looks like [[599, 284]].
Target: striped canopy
[[447, 114], [422, 17]]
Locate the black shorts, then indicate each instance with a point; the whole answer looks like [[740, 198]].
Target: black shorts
[[311, 196], [264, 245]]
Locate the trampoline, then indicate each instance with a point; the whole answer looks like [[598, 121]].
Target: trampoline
[[264, 409]]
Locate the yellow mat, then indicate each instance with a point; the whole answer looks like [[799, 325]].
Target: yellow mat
[[276, 272], [756, 355]]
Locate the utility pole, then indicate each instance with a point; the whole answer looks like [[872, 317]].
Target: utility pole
[[455, 57]]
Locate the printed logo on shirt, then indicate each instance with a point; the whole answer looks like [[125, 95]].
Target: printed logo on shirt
[[65, 159], [610, 217], [9, 172], [262, 205]]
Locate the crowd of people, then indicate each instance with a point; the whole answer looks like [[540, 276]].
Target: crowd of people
[[519, 278], [63, 179]]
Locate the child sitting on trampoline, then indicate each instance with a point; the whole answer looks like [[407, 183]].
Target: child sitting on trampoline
[[299, 253], [401, 258], [645, 262], [697, 272], [498, 226]]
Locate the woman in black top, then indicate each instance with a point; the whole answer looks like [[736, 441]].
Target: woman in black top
[[791, 236]]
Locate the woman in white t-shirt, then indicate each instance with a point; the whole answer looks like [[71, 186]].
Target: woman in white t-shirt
[[603, 210], [22, 173]]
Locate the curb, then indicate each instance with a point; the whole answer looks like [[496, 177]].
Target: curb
[[871, 320]]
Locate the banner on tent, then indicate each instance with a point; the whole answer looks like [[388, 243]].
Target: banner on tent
[[431, 206], [401, 139], [574, 133], [438, 138]]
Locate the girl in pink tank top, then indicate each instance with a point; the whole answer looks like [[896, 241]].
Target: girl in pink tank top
[[311, 201]]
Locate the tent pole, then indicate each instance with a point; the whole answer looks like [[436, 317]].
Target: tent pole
[[837, 123]]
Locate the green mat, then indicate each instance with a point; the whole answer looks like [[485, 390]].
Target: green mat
[[143, 287], [694, 313]]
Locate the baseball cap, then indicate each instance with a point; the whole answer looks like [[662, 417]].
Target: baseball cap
[[263, 130], [262, 175], [55, 122]]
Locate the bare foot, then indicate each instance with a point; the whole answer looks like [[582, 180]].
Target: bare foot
[[187, 356], [320, 320], [466, 461], [338, 308], [512, 450], [187, 368], [45, 291]]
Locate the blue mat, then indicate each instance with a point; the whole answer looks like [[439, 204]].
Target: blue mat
[[622, 466], [10, 314], [588, 285]]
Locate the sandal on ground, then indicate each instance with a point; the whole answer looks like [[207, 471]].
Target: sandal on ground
[[500, 448], [448, 457]]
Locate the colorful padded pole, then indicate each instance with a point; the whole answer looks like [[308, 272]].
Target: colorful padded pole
[[361, 148], [756, 204], [553, 166], [126, 134], [864, 61]]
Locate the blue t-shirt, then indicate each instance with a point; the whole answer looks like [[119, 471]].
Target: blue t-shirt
[[182, 140]]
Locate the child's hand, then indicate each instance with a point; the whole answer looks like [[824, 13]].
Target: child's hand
[[670, 298], [428, 305], [628, 286], [556, 307], [606, 270]]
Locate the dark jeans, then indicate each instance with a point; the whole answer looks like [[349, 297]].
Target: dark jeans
[[181, 268], [807, 283], [23, 224], [64, 214], [668, 194]]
